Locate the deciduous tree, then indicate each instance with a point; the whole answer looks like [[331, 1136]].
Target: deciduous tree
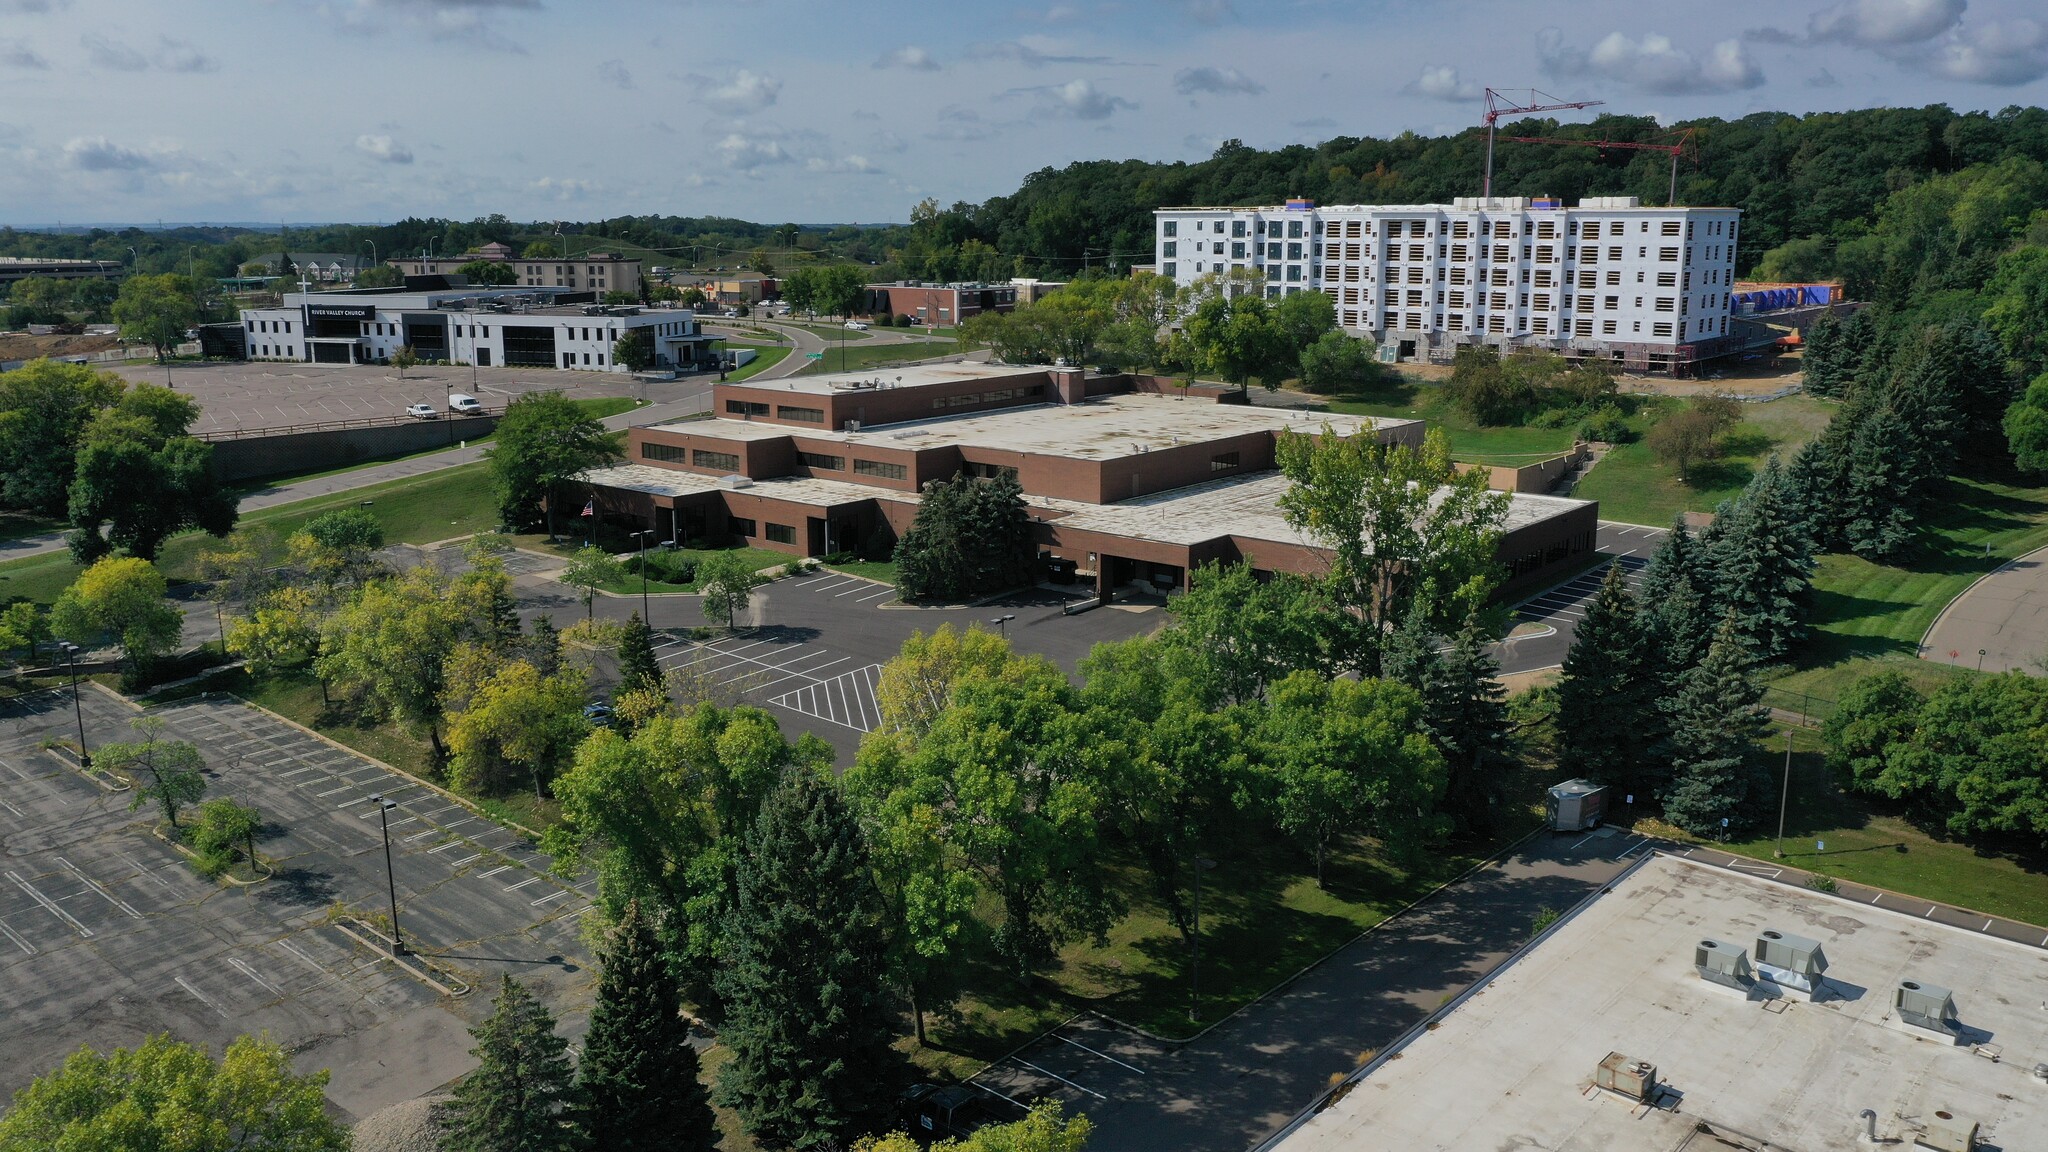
[[156, 310], [122, 597], [543, 442], [140, 479], [727, 581], [589, 569], [515, 720], [169, 773]]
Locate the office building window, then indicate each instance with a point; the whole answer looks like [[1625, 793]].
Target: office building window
[[1224, 461], [880, 470], [725, 461], [746, 408], [741, 525], [669, 452], [807, 415], [1170, 228], [821, 461], [781, 534]]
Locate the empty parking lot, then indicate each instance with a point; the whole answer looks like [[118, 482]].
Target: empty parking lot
[[108, 936]]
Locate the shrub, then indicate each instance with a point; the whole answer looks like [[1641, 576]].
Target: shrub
[[840, 557], [903, 320], [1608, 424], [1821, 883]]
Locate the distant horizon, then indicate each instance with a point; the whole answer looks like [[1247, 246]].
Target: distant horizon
[[274, 226]]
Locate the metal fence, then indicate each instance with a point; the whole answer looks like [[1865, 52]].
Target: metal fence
[[339, 425]]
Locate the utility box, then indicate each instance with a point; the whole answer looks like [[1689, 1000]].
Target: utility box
[[1790, 961], [1928, 1006], [1948, 1132], [1635, 1079], [1725, 964], [1576, 806]]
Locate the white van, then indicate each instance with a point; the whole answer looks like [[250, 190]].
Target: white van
[[463, 404]]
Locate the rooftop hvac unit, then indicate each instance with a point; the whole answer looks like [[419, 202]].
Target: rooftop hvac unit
[[1790, 961], [734, 481], [1635, 1079], [1947, 1132], [1928, 1006], [853, 425], [1724, 964]]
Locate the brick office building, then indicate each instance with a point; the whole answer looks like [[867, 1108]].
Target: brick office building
[[1132, 486], [942, 305]]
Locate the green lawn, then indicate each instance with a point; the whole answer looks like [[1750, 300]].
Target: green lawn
[[452, 502], [1869, 845], [859, 358], [1633, 486], [1409, 399], [883, 570], [766, 357], [1866, 614]]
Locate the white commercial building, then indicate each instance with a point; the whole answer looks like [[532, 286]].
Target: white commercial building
[[1609, 278], [483, 326]]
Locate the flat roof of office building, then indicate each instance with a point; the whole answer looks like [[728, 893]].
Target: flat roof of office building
[[1106, 428], [670, 482], [1246, 506], [883, 379], [1511, 1066]]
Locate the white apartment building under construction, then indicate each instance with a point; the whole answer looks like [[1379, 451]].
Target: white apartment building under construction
[[1608, 278]]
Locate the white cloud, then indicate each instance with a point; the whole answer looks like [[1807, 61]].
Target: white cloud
[[614, 73], [2002, 54], [748, 152], [856, 165], [99, 154], [178, 56], [1215, 82], [1441, 82], [1032, 52], [112, 54], [745, 92], [1885, 23], [18, 54], [563, 189], [1653, 63], [1083, 101], [910, 58], [383, 149]]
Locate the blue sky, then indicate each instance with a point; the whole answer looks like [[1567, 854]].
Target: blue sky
[[853, 110]]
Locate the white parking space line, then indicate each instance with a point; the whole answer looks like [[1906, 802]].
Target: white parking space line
[[1058, 1077], [466, 860], [301, 957], [887, 591], [1103, 1055], [417, 836], [50, 905], [495, 871], [457, 843], [202, 997], [12, 808], [144, 871], [524, 883], [26, 947], [557, 894], [333, 791], [93, 884], [407, 820], [245, 970]]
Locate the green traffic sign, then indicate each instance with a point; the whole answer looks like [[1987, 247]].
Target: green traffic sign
[[814, 355]]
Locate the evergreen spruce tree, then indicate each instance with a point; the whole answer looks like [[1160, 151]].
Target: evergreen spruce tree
[[1763, 562], [1817, 477], [1466, 712], [1825, 362], [1877, 516], [1410, 656], [1676, 596], [638, 668], [513, 1101], [1716, 719], [1607, 716], [638, 1088], [544, 646], [808, 1015]]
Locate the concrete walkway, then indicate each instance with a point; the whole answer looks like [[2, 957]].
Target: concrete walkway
[[2004, 614]]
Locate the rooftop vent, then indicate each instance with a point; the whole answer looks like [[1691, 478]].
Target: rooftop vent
[[1928, 1006], [1635, 1079], [1947, 1132], [735, 481], [1724, 964]]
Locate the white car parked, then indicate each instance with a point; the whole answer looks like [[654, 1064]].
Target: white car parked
[[856, 326], [421, 411]]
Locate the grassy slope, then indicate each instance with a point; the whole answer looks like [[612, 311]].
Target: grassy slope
[[766, 357], [858, 358], [1632, 485], [883, 570], [1410, 399]]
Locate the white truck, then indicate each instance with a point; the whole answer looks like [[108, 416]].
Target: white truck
[[1575, 806]]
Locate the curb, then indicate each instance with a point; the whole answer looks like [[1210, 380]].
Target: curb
[[268, 872], [1920, 649]]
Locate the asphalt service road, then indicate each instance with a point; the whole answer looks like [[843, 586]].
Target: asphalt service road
[[108, 936]]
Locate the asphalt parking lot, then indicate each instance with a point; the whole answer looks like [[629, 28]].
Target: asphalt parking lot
[[277, 395], [107, 935], [1560, 608]]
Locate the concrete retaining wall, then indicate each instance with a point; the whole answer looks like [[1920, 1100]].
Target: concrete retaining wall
[[251, 456]]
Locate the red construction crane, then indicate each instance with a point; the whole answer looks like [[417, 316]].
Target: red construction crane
[[1683, 143], [1497, 106]]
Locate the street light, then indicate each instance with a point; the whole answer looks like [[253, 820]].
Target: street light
[[384, 808], [1202, 864], [1002, 623], [71, 655], [640, 539], [1980, 659]]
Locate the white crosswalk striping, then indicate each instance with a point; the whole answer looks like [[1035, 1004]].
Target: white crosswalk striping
[[847, 700]]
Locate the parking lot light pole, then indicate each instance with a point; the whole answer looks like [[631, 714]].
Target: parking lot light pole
[[1002, 624], [640, 538], [71, 656], [384, 808], [1202, 864]]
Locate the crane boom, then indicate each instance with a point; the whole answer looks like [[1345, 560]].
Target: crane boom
[[1498, 105], [1675, 150]]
